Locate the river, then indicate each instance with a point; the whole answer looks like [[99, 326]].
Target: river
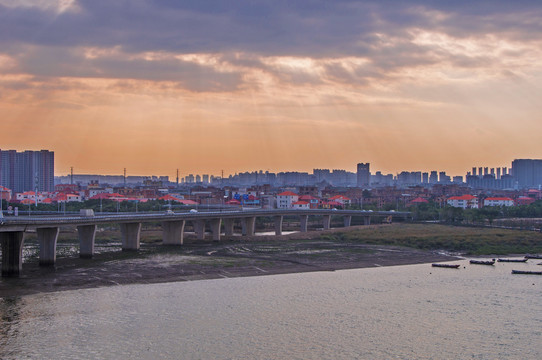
[[400, 312]]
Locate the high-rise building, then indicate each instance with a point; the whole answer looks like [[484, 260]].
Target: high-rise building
[[27, 170], [433, 177], [425, 178], [363, 175], [527, 172]]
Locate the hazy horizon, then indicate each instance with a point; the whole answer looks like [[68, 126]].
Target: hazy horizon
[[155, 86]]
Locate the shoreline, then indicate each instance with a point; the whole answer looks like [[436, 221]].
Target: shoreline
[[232, 257]]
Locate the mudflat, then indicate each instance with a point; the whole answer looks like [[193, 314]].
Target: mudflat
[[231, 257]]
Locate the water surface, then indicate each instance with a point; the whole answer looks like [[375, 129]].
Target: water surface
[[415, 311]]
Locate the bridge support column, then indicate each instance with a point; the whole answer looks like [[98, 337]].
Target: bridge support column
[[228, 227], [215, 228], [173, 232], [87, 234], [199, 228], [303, 220], [327, 222], [12, 252], [366, 220], [347, 220], [131, 233], [249, 226], [278, 225], [47, 238]]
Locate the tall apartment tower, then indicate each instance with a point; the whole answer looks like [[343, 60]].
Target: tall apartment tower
[[433, 177], [27, 170], [527, 172], [363, 175]]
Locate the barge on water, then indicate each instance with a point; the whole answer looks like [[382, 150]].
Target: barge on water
[[513, 260], [523, 272], [450, 266], [483, 262]]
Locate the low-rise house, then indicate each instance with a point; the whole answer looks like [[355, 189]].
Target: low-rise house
[[331, 205], [62, 197], [524, 200], [301, 205], [31, 196], [5, 193], [464, 201], [343, 200], [498, 201], [418, 201], [286, 199], [311, 200]]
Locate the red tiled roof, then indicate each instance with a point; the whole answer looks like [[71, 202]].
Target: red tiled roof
[[499, 199], [300, 203], [463, 197], [168, 198], [287, 193], [188, 202], [336, 197], [419, 200], [101, 196]]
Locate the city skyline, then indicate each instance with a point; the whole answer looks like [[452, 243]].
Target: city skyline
[[279, 86], [173, 173]]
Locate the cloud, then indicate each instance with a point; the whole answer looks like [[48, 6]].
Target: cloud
[[151, 39]]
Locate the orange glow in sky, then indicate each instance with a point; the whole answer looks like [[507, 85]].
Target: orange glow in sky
[[107, 89]]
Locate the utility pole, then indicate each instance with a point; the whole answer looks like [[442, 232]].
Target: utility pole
[[125, 178], [71, 175]]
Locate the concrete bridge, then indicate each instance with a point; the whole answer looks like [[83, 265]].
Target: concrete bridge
[[12, 229]]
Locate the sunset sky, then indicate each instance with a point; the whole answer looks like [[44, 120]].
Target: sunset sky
[[276, 85]]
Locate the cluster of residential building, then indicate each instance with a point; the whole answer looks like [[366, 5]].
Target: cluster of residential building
[[28, 178], [265, 196]]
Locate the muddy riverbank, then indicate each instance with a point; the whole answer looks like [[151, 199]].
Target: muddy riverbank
[[232, 257]]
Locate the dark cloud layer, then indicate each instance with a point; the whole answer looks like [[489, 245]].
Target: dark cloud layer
[[312, 28], [309, 28]]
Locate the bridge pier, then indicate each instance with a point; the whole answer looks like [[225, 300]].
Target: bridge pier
[[47, 238], [131, 234], [249, 226], [215, 228], [303, 220], [199, 229], [366, 220], [173, 232], [12, 253], [278, 225], [228, 227], [327, 222], [347, 220], [87, 234]]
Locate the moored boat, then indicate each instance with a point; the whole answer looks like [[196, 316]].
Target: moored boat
[[450, 266], [483, 262], [512, 260], [523, 272], [533, 256]]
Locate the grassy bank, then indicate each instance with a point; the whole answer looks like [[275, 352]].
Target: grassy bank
[[466, 240]]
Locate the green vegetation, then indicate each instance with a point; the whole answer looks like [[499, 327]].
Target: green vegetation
[[485, 215], [466, 240]]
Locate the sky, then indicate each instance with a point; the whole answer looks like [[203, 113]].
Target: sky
[[279, 85]]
